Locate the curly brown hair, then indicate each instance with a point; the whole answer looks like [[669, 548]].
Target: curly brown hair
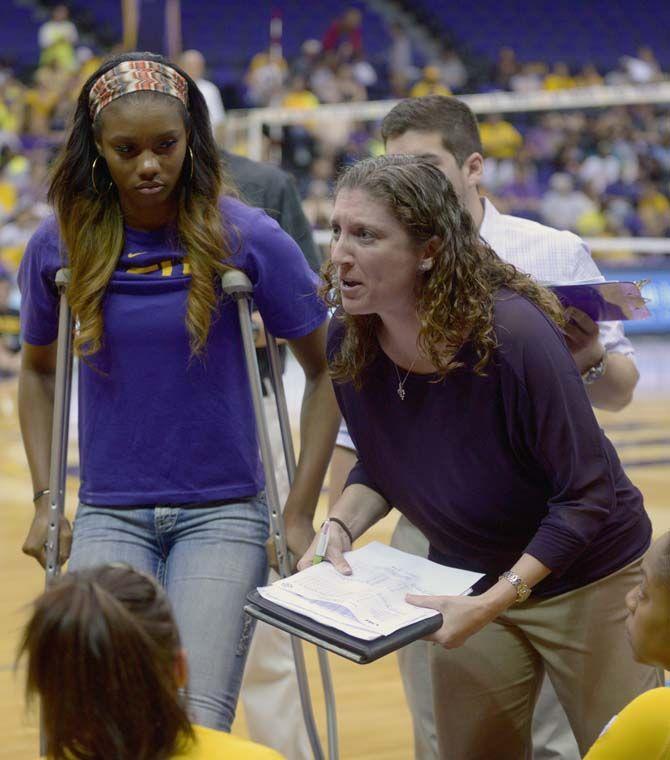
[[91, 223], [455, 299]]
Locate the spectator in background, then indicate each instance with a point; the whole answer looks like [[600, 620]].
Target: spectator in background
[[306, 63], [654, 211], [430, 84], [11, 108], [265, 77], [401, 69], [16, 231], [318, 205], [505, 68], [10, 342], [643, 68], [600, 169], [57, 39], [499, 137], [453, 73], [593, 222], [559, 78], [324, 80], [589, 76], [349, 90], [345, 35], [193, 63], [521, 196], [298, 95], [529, 77], [363, 71], [563, 205], [41, 100]]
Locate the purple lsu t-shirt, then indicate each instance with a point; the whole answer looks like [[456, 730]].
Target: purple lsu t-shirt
[[157, 426]]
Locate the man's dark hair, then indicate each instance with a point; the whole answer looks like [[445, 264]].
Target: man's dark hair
[[436, 113]]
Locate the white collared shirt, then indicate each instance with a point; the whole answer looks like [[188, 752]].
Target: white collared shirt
[[548, 255]]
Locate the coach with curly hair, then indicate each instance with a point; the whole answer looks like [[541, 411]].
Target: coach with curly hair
[[469, 415]]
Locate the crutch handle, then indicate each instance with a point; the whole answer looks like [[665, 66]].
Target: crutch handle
[[62, 278], [236, 284]]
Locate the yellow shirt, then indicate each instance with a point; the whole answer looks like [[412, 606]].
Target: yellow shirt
[[303, 99], [500, 140], [423, 88], [640, 730], [559, 82], [217, 745]]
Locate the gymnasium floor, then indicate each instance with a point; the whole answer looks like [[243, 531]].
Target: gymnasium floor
[[373, 721]]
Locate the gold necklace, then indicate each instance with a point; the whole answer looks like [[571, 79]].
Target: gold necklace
[[400, 390]]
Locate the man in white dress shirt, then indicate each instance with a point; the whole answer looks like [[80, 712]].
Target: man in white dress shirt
[[445, 130]]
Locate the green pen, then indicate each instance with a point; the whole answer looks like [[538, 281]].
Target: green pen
[[322, 545]]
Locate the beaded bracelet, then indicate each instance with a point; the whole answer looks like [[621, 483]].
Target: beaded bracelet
[[40, 494], [344, 528]]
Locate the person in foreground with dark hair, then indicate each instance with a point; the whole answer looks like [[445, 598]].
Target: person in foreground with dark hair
[[171, 479], [469, 415], [105, 660], [642, 728]]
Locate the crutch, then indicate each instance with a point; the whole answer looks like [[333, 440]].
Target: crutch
[[60, 428], [59, 441], [237, 285]]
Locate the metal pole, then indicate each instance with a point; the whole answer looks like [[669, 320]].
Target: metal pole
[[237, 285], [289, 453], [59, 442], [60, 429]]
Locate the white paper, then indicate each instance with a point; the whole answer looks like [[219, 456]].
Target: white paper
[[371, 602]]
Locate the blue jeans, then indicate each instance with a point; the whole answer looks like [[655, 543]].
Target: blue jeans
[[207, 559]]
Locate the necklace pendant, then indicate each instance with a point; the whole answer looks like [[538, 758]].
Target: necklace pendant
[[401, 392]]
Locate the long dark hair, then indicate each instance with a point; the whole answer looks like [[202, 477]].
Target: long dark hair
[[454, 299], [101, 647], [91, 223]]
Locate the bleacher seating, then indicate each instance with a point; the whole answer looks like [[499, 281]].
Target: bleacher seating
[[18, 36], [574, 31], [229, 34]]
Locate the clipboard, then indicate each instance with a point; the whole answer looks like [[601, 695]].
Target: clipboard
[[604, 301], [326, 637]]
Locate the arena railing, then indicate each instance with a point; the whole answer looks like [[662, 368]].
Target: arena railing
[[643, 246], [251, 121]]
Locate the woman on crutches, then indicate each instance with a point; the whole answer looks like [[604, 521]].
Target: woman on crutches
[[170, 476]]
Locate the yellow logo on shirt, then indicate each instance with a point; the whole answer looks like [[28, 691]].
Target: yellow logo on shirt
[[166, 268]]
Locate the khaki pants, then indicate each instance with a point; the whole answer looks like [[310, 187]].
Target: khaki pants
[[552, 735], [484, 691]]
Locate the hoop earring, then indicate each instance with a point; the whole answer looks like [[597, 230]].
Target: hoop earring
[[95, 187]]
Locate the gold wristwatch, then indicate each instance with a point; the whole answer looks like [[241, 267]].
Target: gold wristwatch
[[522, 588]]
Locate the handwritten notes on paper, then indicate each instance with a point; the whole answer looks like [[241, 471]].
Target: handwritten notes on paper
[[371, 602]]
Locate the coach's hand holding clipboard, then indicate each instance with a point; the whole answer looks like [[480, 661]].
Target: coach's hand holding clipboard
[[354, 603]]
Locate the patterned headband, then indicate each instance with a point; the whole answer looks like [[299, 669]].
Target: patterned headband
[[136, 76]]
